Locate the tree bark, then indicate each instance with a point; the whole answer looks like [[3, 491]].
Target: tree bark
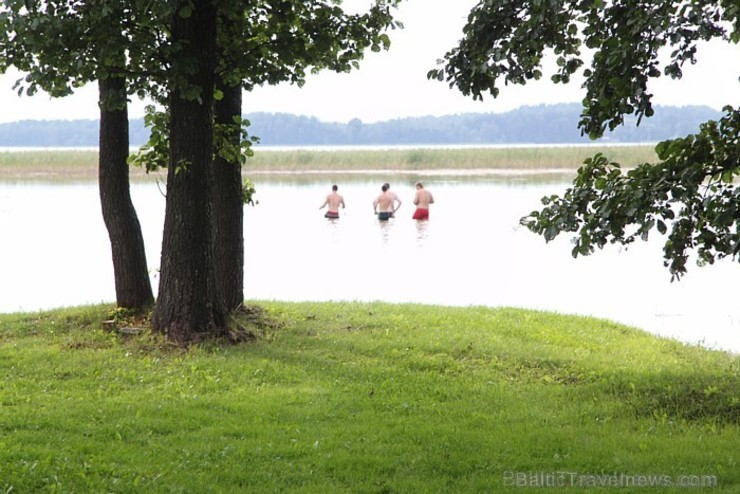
[[228, 206], [133, 287], [188, 306]]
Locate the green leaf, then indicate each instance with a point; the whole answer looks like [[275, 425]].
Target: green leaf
[[186, 11]]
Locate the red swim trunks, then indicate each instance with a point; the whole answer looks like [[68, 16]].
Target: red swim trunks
[[331, 215], [421, 214]]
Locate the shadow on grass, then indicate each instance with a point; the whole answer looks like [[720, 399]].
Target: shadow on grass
[[688, 396]]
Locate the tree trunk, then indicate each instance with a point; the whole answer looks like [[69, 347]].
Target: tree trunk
[[228, 207], [188, 306], [133, 288]]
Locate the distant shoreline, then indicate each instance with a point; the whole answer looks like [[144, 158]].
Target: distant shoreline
[[82, 164], [542, 124]]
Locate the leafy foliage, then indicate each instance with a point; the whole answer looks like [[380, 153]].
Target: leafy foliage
[[154, 155], [227, 149], [690, 191], [63, 45], [248, 192], [277, 41], [507, 41]]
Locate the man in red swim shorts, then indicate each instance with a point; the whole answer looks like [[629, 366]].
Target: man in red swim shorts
[[422, 200]]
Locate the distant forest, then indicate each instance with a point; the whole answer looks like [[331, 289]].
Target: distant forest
[[542, 124]]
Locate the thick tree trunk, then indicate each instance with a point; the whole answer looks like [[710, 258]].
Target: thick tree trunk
[[188, 306], [133, 288], [228, 207]]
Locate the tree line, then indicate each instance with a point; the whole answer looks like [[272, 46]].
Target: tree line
[[540, 124]]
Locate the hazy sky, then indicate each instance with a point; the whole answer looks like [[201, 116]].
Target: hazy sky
[[393, 84]]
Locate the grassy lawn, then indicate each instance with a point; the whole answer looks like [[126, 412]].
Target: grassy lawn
[[364, 398]]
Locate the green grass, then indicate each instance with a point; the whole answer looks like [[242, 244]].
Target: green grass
[[76, 165], [360, 398]]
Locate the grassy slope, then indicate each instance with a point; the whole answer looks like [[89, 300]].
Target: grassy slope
[[359, 397]]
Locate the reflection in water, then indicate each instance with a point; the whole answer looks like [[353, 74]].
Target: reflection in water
[[421, 231], [385, 227], [333, 229], [452, 259]]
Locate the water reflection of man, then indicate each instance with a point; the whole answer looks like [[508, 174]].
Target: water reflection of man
[[385, 204], [422, 200], [333, 201]]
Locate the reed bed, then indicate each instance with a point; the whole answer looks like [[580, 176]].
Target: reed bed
[[82, 164], [515, 158]]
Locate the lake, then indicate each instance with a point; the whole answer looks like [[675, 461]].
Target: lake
[[472, 251]]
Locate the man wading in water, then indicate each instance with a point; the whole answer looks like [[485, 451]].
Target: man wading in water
[[422, 199], [386, 203], [333, 201]]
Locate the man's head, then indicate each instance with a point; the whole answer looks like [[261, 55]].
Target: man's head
[[334, 188], [384, 188], [419, 185]]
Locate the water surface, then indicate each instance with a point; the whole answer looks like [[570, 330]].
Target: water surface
[[55, 252]]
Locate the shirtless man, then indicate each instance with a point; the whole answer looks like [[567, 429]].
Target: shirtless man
[[386, 202], [333, 201], [393, 195], [422, 200]]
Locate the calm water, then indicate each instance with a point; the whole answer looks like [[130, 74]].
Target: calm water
[[55, 253]]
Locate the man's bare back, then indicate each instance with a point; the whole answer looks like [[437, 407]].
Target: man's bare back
[[384, 203], [422, 199], [333, 201]]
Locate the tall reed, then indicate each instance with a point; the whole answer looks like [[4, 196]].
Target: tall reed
[[61, 165]]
